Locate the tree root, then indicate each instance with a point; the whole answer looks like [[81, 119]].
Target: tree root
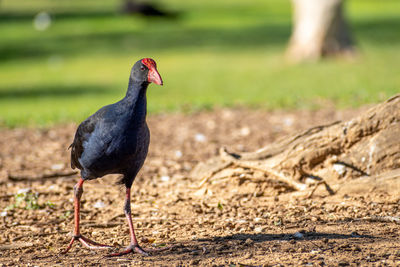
[[366, 145]]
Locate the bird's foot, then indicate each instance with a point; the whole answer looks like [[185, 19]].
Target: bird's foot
[[86, 242], [137, 249], [130, 249]]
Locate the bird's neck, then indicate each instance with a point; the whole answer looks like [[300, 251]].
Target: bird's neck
[[135, 99]]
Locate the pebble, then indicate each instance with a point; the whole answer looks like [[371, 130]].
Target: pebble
[[99, 204], [339, 168], [178, 154], [259, 229], [288, 121], [245, 131], [165, 178], [199, 137], [57, 167], [298, 235], [23, 190], [258, 219]]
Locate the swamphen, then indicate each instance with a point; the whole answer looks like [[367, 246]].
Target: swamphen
[[115, 140]]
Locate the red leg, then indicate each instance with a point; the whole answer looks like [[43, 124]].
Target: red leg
[[78, 190], [134, 245]]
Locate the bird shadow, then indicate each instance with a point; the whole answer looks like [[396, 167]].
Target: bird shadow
[[225, 245], [283, 237], [241, 243]]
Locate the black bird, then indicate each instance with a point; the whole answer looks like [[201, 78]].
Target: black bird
[[146, 9], [115, 140]]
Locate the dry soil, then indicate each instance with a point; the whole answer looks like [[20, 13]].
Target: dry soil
[[229, 224]]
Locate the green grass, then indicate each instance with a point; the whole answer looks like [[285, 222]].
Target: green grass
[[217, 53]]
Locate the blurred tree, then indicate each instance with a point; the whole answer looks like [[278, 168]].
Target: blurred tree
[[319, 29]]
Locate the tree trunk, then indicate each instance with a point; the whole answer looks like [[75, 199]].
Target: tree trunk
[[319, 29], [364, 146]]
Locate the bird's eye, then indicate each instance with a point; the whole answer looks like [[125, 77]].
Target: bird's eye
[[142, 68]]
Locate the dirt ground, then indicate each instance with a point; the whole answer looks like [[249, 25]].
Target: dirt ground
[[229, 224]]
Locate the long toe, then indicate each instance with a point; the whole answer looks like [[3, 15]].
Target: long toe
[[86, 242], [92, 244], [128, 250]]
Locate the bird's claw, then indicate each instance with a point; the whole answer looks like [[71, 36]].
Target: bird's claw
[[86, 242], [130, 249]]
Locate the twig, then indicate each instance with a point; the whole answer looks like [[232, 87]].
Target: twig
[[320, 181], [314, 189], [280, 176], [276, 148], [351, 167], [103, 225], [16, 245], [327, 187], [383, 219]]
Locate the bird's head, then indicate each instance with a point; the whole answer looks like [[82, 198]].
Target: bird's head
[[145, 70]]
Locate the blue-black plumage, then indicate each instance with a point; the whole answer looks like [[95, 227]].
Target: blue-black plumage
[[115, 140]]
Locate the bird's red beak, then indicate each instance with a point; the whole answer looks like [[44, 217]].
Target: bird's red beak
[[154, 76]]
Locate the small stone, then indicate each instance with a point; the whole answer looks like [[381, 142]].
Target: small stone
[[57, 167], [199, 137], [245, 131], [99, 204], [258, 219], [298, 235], [178, 154], [23, 190], [165, 178], [259, 229], [288, 121], [339, 168]]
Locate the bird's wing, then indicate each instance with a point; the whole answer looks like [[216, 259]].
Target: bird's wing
[[82, 134], [96, 133]]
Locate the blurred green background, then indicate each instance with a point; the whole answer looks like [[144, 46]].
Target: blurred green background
[[216, 53]]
